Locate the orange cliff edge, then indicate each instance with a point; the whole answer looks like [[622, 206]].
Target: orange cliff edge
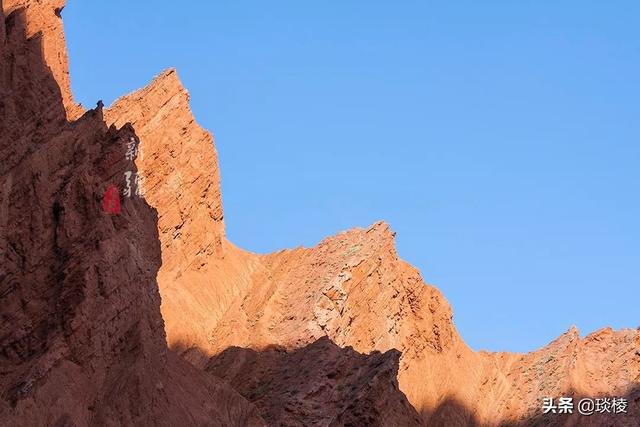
[[344, 333]]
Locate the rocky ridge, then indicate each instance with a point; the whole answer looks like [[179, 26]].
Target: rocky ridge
[[351, 288], [82, 339], [246, 321]]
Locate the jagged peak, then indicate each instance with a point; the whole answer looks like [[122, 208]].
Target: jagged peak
[[609, 333], [379, 231], [572, 334], [179, 164], [169, 74], [380, 226], [606, 333], [167, 79], [163, 89]]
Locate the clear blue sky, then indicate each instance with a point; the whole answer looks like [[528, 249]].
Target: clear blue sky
[[500, 139]]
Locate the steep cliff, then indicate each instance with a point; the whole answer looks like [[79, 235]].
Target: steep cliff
[[344, 333], [37, 21], [351, 288], [82, 339], [81, 334], [201, 273]]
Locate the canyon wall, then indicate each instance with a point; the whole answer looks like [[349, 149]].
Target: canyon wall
[[102, 310], [351, 288], [82, 340]]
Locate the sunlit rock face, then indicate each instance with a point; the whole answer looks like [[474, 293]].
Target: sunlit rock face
[[92, 296]]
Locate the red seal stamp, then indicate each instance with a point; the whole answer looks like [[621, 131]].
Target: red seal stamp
[[111, 200]]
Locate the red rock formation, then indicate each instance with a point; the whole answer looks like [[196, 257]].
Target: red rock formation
[[80, 308], [352, 288], [39, 23], [320, 384], [81, 334], [201, 273]]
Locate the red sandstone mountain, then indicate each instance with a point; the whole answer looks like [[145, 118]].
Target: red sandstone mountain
[[82, 340], [81, 334], [344, 333]]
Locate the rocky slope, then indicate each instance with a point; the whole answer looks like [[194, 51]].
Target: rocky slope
[[344, 333], [318, 385], [82, 339], [351, 288]]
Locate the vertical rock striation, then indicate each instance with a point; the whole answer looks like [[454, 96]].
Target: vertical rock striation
[[41, 19], [201, 272], [81, 334]]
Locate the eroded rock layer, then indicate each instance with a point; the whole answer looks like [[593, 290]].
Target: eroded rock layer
[[351, 288], [344, 333], [81, 335], [201, 273], [320, 384]]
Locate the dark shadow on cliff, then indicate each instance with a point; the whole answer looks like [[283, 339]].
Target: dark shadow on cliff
[[324, 384], [319, 384], [81, 335], [53, 229], [62, 257]]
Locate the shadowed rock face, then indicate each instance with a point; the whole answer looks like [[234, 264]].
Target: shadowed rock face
[[344, 333], [81, 335], [318, 385]]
